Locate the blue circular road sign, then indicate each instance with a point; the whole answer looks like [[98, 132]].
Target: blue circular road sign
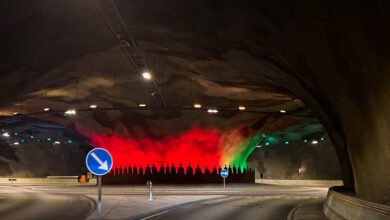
[[224, 173], [99, 161]]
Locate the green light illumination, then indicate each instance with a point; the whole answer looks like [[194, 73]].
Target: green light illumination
[[242, 152], [272, 139]]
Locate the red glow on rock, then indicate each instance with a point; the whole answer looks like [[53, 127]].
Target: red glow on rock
[[192, 147]]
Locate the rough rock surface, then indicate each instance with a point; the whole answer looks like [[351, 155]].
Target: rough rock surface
[[332, 55]]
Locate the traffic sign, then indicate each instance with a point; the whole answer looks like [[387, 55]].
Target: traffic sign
[[224, 173], [99, 161]]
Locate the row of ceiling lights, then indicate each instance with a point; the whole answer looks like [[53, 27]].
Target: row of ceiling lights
[[148, 76], [143, 105], [32, 137], [314, 142]]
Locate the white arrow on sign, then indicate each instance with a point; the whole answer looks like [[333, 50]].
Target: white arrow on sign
[[103, 166]]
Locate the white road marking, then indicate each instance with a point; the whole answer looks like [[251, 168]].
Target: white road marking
[[157, 214]]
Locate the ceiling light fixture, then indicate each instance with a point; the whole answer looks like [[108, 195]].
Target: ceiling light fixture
[[142, 105], [147, 75], [16, 143], [197, 105], [212, 111], [6, 134], [314, 142], [93, 106], [241, 108], [70, 112], [283, 111], [46, 109]]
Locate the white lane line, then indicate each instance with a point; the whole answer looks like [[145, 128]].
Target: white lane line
[[216, 201], [157, 214]]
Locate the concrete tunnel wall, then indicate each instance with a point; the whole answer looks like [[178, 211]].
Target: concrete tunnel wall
[[332, 55]]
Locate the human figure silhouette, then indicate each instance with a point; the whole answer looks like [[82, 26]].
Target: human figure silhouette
[[239, 169], [129, 170], [154, 170], [161, 172], [180, 170], [189, 171], [147, 170], [141, 171], [234, 170], [206, 171], [173, 169], [198, 171], [215, 172], [135, 170], [167, 170]]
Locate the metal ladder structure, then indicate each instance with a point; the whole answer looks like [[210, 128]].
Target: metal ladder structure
[[129, 46]]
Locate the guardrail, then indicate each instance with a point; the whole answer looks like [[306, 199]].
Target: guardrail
[[338, 205]]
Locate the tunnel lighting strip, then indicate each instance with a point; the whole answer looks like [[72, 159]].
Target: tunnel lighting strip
[[145, 107]]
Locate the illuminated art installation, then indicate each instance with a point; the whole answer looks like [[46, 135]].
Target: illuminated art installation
[[209, 148]]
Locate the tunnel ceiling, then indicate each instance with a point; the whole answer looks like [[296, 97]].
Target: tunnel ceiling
[[63, 55]]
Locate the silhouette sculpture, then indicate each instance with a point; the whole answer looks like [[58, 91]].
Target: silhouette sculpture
[[132, 175]]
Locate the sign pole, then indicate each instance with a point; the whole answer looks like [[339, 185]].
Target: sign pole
[[224, 173], [100, 204], [99, 162]]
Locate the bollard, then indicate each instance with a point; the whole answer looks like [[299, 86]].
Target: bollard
[[149, 183]]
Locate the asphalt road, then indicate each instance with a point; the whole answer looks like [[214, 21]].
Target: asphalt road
[[21, 203], [240, 208], [123, 202]]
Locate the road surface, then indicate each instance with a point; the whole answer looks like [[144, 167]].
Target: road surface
[[171, 202]]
